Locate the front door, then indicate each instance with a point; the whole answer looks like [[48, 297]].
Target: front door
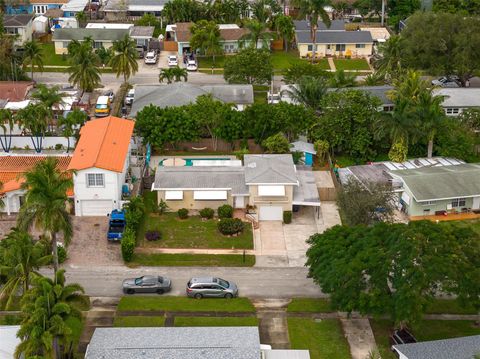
[[239, 202]]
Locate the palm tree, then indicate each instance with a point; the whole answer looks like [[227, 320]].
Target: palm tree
[[46, 308], [206, 38], [390, 60], [48, 97], [22, 260], [81, 17], [285, 28], [83, 69], [257, 31], [71, 123], [342, 79], [309, 91], [124, 61], [34, 119], [313, 10], [374, 79], [6, 124], [430, 116], [33, 56], [173, 74], [45, 203], [104, 55]]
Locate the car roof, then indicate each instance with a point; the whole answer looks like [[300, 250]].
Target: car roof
[[102, 100], [172, 56], [151, 53], [203, 280]]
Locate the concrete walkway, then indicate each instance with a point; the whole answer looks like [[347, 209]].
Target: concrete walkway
[[273, 326], [360, 337], [331, 63]]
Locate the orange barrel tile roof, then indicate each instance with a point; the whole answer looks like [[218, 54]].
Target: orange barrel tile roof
[[12, 168], [103, 144]]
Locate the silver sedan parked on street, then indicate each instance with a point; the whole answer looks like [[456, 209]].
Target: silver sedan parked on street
[[147, 284]]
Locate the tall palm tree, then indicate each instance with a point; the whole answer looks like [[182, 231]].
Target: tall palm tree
[[430, 116], [257, 31], [313, 10], [71, 123], [285, 28], [22, 259], [46, 308], [309, 91], [45, 203], [342, 79], [34, 119], [124, 61], [390, 60], [83, 69], [173, 74], [48, 97], [206, 38], [33, 56], [6, 124]]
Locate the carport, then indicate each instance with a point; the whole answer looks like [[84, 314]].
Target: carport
[[306, 193]]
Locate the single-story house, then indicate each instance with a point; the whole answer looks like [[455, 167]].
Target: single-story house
[[101, 37], [35, 7], [231, 36], [142, 35], [332, 41], [179, 94], [101, 161], [19, 26], [306, 148], [132, 10], [9, 341], [457, 100], [73, 7], [182, 343], [270, 183], [458, 348], [12, 168]]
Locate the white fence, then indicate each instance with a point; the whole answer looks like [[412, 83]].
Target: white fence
[[48, 143]]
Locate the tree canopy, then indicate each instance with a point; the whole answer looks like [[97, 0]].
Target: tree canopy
[[249, 66]]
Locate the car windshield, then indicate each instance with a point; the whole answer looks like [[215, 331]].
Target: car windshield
[[223, 283], [100, 107], [172, 58], [138, 281]]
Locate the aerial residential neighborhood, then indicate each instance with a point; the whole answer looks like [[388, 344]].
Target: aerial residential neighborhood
[[255, 179]]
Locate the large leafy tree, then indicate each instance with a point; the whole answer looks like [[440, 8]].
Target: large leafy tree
[[32, 56], [183, 11], [464, 7], [249, 66], [124, 61], [173, 74], [46, 308], [396, 269], [21, 259], [206, 38], [45, 204], [286, 29], [314, 11], [83, 69], [300, 69]]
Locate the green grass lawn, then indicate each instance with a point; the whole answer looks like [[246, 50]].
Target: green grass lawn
[[309, 305], [448, 306], [50, 58], [324, 339], [192, 260], [259, 97], [185, 304], [381, 331], [139, 321], [351, 64], [216, 322], [193, 232], [207, 62]]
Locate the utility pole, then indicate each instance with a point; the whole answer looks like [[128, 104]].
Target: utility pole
[[383, 12]]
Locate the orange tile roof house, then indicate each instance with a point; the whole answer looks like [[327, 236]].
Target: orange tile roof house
[[101, 160], [12, 168]]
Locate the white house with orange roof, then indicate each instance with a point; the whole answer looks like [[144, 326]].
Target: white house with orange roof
[[101, 161]]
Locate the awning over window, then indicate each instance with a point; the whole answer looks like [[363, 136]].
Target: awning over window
[[172, 195], [271, 190], [210, 195]]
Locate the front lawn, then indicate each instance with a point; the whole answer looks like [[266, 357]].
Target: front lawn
[[351, 64], [324, 339], [382, 329], [282, 60], [192, 260], [448, 306], [216, 322], [309, 305], [139, 321], [206, 62], [50, 58], [184, 304], [193, 232]]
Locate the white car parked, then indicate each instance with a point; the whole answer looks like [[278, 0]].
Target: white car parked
[[151, 58], [130, 96], [172, 61], [192, 65]]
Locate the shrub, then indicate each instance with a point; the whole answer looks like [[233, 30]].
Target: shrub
[[62, 254], [225, 211], [287, 217], [58, 146], [207, 213], [134, 212], [229, 226], [183, 213], [128, 244], [153, 235]]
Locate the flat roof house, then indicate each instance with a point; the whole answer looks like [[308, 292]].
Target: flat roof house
[[458, 348], [19, 26], [333, 40]]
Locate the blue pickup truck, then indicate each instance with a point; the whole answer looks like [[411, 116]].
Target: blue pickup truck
[[116, 225]]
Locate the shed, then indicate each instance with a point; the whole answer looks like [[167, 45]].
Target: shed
[[307, 149]]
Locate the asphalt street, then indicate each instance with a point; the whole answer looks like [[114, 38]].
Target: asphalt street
[[252, 282]]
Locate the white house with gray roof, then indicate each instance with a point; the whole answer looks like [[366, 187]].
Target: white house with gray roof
[[455, 348], [271, 184], [180, 94]]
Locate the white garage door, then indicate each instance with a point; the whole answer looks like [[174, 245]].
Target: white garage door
[[96, 207], [271, 213]]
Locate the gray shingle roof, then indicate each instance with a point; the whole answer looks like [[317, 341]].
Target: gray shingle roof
[[270, 169], [96, 34], [458, 348], [336, 25], [19, 20], [335, 37], [179, 94], [142, 31], [175, 343], [434, 183], [191, 177], [459, 97], [119, 5], [302, 146]]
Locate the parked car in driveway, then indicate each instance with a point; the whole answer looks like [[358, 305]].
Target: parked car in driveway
[[211, 287], [151, 58], [192, 65], [172, 61], [110, 94], [447, 81], [130, 96], [147, 284]]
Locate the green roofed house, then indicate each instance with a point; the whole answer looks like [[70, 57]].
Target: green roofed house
[[439, 190], [100, 37]]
